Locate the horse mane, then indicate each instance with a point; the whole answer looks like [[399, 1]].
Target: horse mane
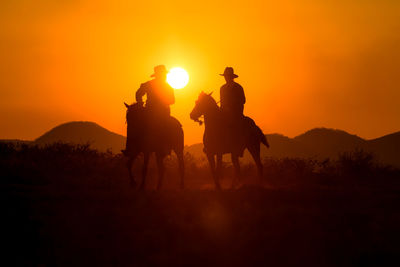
[[134, 111], [208, 97]]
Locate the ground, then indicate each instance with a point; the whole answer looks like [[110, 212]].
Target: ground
[[250, 226], [72, 206]]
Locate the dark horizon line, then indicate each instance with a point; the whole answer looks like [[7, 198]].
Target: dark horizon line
[[273, 133]]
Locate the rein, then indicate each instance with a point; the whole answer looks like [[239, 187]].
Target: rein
[[199, 121]]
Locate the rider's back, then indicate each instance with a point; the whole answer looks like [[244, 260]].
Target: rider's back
[[160, 95], [232, 98]]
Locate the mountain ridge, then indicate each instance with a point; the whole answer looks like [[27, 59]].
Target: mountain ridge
[[84, 132], [315, 143]]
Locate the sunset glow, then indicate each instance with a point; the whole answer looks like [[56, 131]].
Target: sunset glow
[[178, 78], [232, 132], [320, 63]]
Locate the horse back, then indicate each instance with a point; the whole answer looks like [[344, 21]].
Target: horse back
[[175, 123], [222, 140], [255, 134], [149, 135]]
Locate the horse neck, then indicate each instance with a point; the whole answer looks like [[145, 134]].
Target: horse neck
[[212, 117], [135, 119]]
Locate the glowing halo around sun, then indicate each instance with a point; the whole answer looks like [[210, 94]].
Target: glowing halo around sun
[[177, 78]]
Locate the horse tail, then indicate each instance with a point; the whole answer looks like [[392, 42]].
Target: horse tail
[[256, 132], [175, 135], [263, 139]]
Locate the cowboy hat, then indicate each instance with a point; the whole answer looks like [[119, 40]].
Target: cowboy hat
[[160, 69], [229, 72]]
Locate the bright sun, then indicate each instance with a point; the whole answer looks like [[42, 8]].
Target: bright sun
[[177, 78]]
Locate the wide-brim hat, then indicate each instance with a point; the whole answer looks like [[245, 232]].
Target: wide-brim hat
[[160, 69], [229, 72]]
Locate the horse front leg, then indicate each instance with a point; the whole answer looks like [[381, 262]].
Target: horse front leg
[[219, 167], [146, 158], [181, 164], [129, 165], [211, 161], [236, 166], [160, 168]]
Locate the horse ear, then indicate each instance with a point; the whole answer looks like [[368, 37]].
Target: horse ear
[[126, 105]]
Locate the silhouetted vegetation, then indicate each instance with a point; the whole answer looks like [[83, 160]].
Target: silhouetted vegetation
[[79, 164], [66, 205]]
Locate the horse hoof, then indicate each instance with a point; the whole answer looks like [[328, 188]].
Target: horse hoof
[[158, 187], [133, 184], [141, 187]]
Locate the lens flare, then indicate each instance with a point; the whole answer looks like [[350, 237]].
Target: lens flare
[[177, 78]]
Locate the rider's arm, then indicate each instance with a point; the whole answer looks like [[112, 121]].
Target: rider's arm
[[141, 92]]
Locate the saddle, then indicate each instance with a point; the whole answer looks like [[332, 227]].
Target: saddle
[[150, 131], [232, 136]]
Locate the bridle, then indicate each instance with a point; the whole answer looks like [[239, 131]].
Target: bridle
[[199, 120]]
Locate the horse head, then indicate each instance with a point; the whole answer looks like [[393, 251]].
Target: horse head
[[134, 112], [204, 103]]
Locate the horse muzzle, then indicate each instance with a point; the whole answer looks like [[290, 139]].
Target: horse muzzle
[[196, 117]]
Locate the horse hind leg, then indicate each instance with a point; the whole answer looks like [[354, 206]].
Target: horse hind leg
[[160, 168], [144, 170], [255, 153], [236, 165]]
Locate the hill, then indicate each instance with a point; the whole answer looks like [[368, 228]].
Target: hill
[[319, 143], [323, 142], [16, 142], [82, 132], [386, 148]]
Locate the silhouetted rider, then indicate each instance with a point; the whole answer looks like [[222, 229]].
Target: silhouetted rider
[[232, 96], [160, 95], [232, 103]]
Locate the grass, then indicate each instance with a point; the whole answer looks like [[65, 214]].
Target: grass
[[65, 205]]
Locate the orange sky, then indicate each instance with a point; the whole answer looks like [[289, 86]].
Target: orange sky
[[303, 64]]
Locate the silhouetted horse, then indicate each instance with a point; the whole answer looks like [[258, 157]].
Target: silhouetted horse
[[144, 138], [218, 139]]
